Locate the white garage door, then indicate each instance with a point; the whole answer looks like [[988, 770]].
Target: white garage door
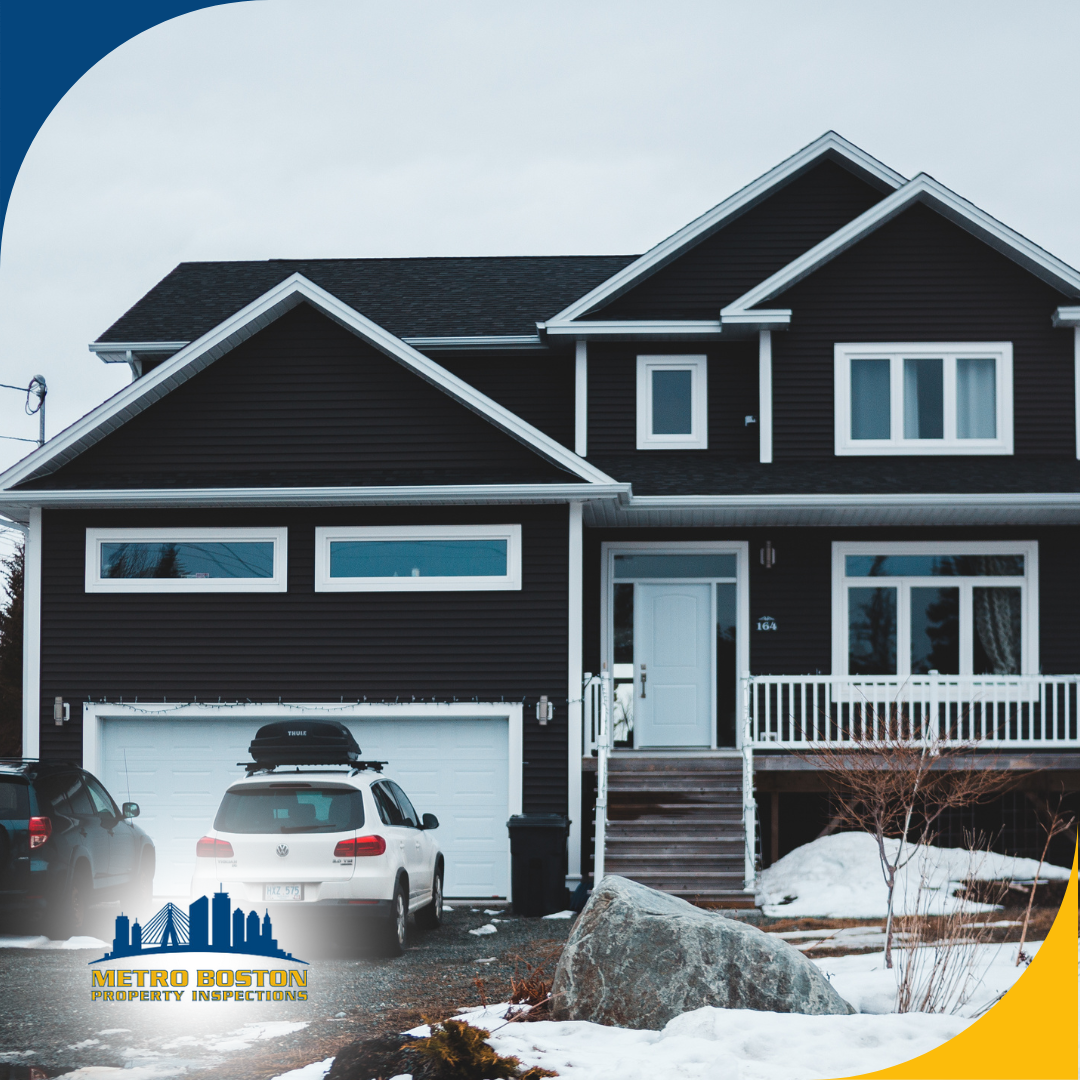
[[177, 770]]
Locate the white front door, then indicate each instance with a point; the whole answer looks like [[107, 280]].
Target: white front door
[[672, 644]]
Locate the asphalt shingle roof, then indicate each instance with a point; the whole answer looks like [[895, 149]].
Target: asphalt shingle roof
[[438, 297]]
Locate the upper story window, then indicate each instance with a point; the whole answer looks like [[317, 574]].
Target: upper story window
[[672, 407], [924, 398], [424, 558], [186, 560]]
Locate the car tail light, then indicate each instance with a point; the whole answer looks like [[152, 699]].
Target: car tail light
[[40, 831], [210, 847], [360, 845]]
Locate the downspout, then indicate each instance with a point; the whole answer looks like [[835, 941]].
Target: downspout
[[603, 747], [749, 805]]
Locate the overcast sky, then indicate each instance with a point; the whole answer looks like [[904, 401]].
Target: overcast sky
[[325, 128]]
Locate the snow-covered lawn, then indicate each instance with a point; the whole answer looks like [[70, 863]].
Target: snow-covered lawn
[[839, 877]]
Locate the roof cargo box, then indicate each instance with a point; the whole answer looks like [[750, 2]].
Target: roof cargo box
[[304, 742]]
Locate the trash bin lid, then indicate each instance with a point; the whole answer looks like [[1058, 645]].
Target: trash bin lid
[[538, 821]]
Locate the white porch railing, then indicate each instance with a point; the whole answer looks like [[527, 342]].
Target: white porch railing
[[995, 712], [598, 735]]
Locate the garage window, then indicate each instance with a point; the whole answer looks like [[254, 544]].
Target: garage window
[[185, 560], [418, 559]]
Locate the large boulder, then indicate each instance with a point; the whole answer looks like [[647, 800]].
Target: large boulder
[[637, 958]]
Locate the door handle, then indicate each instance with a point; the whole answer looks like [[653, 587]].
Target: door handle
[[643, 678]]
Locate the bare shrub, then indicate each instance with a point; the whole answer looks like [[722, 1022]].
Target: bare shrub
[[1053, 821], [894, 777], [938, 969]]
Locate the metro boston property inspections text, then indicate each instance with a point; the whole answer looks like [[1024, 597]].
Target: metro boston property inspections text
[[160, 984]]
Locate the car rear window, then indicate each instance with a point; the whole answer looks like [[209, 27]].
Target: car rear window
[[14, 799], [290, 810]]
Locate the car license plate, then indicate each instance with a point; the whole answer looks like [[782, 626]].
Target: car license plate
[[283, 892]]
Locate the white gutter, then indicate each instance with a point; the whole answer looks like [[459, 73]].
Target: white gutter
[[398, 495]]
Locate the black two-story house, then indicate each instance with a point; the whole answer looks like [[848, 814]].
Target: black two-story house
[[820, 448]]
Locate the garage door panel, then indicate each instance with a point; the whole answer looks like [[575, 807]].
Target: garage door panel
[[179, 769]]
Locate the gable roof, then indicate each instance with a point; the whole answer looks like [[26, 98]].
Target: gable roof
[[424, 298], [831, 146], [926, 190], [284, 296]]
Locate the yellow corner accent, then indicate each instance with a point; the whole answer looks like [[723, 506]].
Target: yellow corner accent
[[1031, 1033]]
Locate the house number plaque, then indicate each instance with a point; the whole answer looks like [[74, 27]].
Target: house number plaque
[[766, 622]]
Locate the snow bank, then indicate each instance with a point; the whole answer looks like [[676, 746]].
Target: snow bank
[[839, 877], [870, 986], [737, 1044]]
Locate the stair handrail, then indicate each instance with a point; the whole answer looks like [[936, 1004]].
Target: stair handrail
[[749, 803], [604, 744]]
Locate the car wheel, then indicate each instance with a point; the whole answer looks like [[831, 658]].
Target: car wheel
[[68, 916], [394, 931], [430, 916]]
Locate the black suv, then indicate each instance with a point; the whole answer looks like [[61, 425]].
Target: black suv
[[64, 845]]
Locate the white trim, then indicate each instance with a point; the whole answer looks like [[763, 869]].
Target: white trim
[[927, 190], [574, 643], [479, 341], [698, 438], [765, 398], [896, 352], [95, 583], [636, 328], [741, 550], [325, 535], [581, 398], [456, 494], [31, 672], [95, 713], [136, 346], [829, 145], [274, 303], [1066, 316], [1030, 594]]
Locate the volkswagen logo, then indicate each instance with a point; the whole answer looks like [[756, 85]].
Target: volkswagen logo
[[282, 850]]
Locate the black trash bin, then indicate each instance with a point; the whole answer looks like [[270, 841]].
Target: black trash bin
[[538, 862]]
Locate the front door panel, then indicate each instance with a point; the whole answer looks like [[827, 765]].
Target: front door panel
[[672, 649]]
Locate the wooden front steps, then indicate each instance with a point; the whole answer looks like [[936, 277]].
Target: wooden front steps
[[676, 824]]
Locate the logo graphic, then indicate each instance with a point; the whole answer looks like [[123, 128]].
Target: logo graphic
[[173, 931], [283, 850]]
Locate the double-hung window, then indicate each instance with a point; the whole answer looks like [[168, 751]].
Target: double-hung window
[[924, 398], [186, 560], [672, 406], [935, 608], [423, 558]]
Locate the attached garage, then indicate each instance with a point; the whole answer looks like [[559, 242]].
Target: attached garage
[[459, 762]]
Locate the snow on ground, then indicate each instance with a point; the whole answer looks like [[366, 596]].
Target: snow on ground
[[41, 942], [738, 1044], [870, 986], [839, 877], [315, 1071]]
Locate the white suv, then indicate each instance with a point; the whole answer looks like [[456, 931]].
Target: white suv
[[329, 837]]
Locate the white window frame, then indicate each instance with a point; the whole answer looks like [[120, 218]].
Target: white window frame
[[1029, 595], [698, 439], [897, 352], [511, 580], [95, 583]]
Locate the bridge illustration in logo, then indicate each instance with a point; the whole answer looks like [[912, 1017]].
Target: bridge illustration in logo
[[200, 929]]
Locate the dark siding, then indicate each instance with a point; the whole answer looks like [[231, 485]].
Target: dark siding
[[921, 278], [538, 388], [733, 395], [304, 402], [307, 646], [797, 591], [745, 252]]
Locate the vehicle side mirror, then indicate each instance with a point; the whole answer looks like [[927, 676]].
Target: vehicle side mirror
[[430, 822], [131, 809]]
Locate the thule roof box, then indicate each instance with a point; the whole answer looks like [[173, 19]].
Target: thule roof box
[[305, 742]]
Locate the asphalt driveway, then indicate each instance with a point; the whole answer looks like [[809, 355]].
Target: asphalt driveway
[[48, 1022]]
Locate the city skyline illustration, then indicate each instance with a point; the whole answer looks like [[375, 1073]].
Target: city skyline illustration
[[205, 927]]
